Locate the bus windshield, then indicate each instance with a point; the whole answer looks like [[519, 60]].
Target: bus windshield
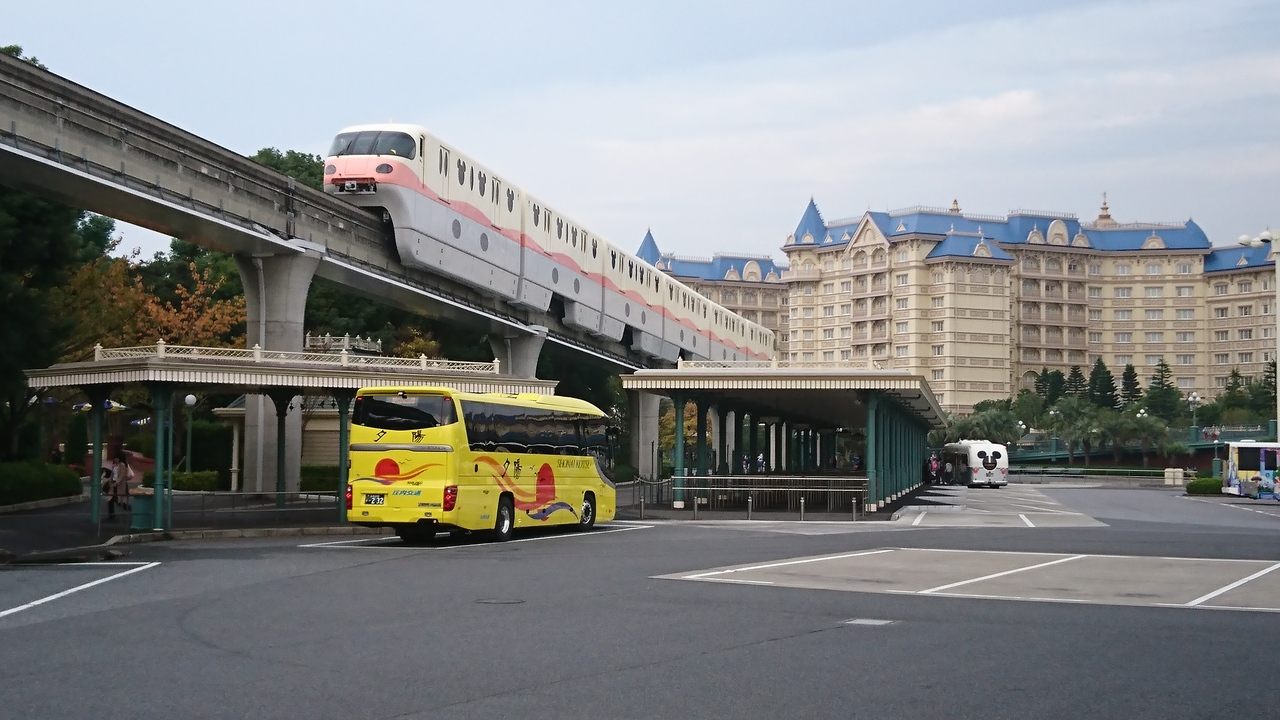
[[403, 411]]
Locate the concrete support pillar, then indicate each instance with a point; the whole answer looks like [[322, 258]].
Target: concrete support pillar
[[702, 436], [275, 291], [722, 441], [236, 429], [753, 443], [678, 461], [642, 424], [517, 353], [283, 398]]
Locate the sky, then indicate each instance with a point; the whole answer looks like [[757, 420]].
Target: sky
[[713, 123]]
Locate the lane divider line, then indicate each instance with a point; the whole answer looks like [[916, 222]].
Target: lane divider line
[[76, 589], [992, 576], [1025, 520], [919, 518], [1228, 588]]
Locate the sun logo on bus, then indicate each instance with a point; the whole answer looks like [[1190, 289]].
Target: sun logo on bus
[[388, 471], [539, 504]]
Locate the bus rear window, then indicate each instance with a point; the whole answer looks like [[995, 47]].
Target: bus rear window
[[375, 142], [403, 412]]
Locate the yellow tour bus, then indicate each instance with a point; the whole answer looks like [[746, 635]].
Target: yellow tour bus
[[426, 460]]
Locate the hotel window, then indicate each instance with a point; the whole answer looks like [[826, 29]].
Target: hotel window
[[937, 350], [1184, 268], [808, 335], [1124, 292], [829, 265], [937, 302], [1186, 359], [1221, 312], [1185, 291], [937, 374], [1122, 269], [846, 309], [1154, 359], [795, 335], [1266, 308], [1095, 314], [1124, 337], [1186, 383], [1186, 337], [808, 289], [1220, 289], [829, 355], [808, 312], [1124, 360], [846, 355], [1186, 314], [1155, 315], [936, 326], [828, 288], [900, 328], [902, 279], [806, 357], [846, 332], [937, 278], [795, 312], [1154, 292], [1221, 335], [1095, 337], [1155, 337], [1095, 269], [846, 286], [1245, 334], [1124, 315], [861, 351], [901, 303], [901, 350], [1220, 382], [846, 264], [1245, 310], [1246, 357], [902, 256], [1266, 284], [1244, 287], [1155, 269], [829, 311], [829, 334], [1095, 291], [1267, 331]]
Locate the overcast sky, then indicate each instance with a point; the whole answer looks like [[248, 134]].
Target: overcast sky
[[714, 122]]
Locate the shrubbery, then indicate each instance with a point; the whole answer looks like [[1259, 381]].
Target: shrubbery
[[206, 480], [29, 481], [319, 478], [1205, 486]]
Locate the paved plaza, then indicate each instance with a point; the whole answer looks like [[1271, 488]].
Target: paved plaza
[[1159, 606]]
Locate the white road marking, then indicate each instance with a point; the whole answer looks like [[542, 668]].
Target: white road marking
[[992, 576], [1228, 588], [699, 576], [739, 582], [1235, 507], [919, 518], [353, 544], [78, 588], [1028, 522], [347, 543], [873, 622]]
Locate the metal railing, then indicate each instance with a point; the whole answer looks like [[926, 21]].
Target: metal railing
[[779, 364], [755, 494], [203, 510], [332, 343], [256, 354]]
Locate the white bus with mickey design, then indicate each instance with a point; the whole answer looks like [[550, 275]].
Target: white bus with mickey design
[[976, 463]]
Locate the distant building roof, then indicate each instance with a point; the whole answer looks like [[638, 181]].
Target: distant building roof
[[721, 266], [648, 251], [969, 246], [1235, 258]]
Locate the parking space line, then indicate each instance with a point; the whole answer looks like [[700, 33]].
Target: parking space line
[[992, 576], [1025, 520], [76, 589], [1232, 586], [785, 563], [919, 518], [355, 544]]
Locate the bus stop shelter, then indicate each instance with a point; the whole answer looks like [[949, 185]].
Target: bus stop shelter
[[786, 418]]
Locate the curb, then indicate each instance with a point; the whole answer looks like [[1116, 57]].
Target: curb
[[42, 504], [134, 538]]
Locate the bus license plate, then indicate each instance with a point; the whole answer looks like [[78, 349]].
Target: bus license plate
[[375, 499]]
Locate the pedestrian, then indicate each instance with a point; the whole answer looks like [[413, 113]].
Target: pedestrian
[[121, 476]]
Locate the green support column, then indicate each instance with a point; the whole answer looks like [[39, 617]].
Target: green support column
[[701, 440], [677, 462], [343, 400], [161, 397], [739, 449], [170, 413], [753, 443], [869, 462], [282, 398], [98, 397], [722, 442]]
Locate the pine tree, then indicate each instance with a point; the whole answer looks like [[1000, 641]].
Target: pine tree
[[1262, 394], [1102, 386], [1042, 383], [1076, 385], [1055, 383], [1163, 399], [1130, 388]]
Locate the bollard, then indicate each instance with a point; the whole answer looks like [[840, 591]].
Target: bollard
[[801, 508], [642, 506], [695, 507], [748, 507], [853, 504]]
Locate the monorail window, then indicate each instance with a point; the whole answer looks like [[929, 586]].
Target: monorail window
[[375, 142], [403, 411]]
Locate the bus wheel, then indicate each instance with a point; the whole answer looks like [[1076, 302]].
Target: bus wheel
[[505, 521], [587, 518]]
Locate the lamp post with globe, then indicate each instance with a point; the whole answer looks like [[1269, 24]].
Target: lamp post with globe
[[1193, 402], [190, 402]]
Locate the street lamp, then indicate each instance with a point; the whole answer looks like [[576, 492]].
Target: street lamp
[[1193, 401], [190, 402], [1264, 238], [1142, 414]]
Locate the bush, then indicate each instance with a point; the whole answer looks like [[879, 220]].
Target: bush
[[143, 443], [29, 481], [1204, 486], [77, 439], [624, 473], [205, 480], [319, 478]]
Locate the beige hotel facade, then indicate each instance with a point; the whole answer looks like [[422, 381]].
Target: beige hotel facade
[[979, 304]]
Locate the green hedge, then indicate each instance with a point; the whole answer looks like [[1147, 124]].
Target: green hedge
[[29, 481], [206, 480], [1205, 486], [624, 473], [319, 478]]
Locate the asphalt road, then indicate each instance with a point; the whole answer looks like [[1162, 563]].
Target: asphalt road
[[579, 626]]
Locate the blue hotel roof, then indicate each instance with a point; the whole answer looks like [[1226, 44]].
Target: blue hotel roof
[[714, 268], [1235, 258]]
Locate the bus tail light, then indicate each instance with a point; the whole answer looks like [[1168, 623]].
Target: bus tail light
[[350, 496], [450, 497]]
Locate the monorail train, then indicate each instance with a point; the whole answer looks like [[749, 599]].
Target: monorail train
[[454, 217]]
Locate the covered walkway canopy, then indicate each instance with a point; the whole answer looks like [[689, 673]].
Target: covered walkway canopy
[[789, 417]]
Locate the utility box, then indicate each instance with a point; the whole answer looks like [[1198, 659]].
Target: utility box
[[1175, 476]]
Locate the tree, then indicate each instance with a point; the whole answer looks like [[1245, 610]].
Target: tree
[[1050, 385], [1102, 386], [1028, 407], [196, 318], [1130, 388], [1163, 399], [1262, 394], [1076, 386], [303, 167], [1151, 433], [1073, 420], [16, 51], [1116, 429], [982, 406]]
